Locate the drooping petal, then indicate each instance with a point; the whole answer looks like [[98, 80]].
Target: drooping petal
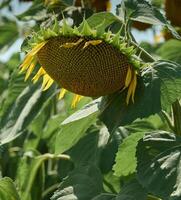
[[40, 73], [27, 62], [30, 69], [35, 50], [76, 100], [128, 77], [92, 42], [72, 44], [47, 82], [134, 86], [131, 89], [30, 56], [62, 93]]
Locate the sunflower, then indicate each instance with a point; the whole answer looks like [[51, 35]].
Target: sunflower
[[85, 61]]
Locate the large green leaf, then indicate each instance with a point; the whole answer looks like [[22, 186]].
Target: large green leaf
[[126, 155], [87, 149], [143, 11], [22, 112], [127, 148], [169, 74], [115, 111], [171, 50], [8, 32], [159, 163], [30, 176], [158, 87], [35, 9], [82, 183], [102, 18], [8, 190], [75, 126], [15, 87]]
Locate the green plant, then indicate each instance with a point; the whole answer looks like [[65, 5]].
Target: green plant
[[106, 147]]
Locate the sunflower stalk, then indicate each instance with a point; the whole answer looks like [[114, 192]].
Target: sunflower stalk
[[144, 55], [176, 109], [168, 119]]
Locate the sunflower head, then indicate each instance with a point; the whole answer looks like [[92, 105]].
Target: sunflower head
[[88, 62]]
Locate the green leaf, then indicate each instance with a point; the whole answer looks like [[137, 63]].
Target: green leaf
[[131, 191], [15, 87], [158, 87], [82, 183], [143, 11], [103, 19], [8, 33], [8, 190], [111, 183], [115, 111], [169, 74], [37, 126], [159, 162], [35, 9], [22, 112], [171, 50], [30, 176], [75, 126], [126, 155], [105, 196], [86, 150]]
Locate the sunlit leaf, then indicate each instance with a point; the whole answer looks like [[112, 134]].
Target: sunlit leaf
[[75, 126], [8, 190], [171, 50]]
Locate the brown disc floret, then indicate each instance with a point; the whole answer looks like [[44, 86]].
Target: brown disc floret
[[91, 71]]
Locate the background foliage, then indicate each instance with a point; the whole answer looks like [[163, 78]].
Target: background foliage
[[103, 149]]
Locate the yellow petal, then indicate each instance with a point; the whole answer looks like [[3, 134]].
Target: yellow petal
[[131, 89], [62, 93], [30, 69], [26, 63], [40, 73], [76, 100], [71, 44], [134, 86], [30, 56], [128, 77], [92, 42], [35, 50], [47, 82]]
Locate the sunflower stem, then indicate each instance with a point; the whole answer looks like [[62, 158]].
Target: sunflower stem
[[176, 109], [144, 55], [53, 156], [168, 119]]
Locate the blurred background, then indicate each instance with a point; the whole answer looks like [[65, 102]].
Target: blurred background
[[13, 10]]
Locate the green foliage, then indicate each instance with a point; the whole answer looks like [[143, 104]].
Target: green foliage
[[127, 149], [73, 128], [8, 31], [170, 50], [83, 183], [103, 149], [8, 190], [31, 187], [158, 167]]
